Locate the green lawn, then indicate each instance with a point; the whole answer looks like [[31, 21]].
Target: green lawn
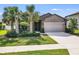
[[40, 52], [76, 32], [26, 41], [3, 32]]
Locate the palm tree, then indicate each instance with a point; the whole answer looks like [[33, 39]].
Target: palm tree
[[32, 16], [16, 16], [11, 14], [8, 16]]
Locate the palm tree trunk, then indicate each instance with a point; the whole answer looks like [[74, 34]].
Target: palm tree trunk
[[12, 27], [17, 25], [31, 26]]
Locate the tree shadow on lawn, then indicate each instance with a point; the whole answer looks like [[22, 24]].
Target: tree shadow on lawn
[[5, 41], [19, 41]]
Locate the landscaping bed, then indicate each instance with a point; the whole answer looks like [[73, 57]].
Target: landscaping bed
[[19, 41], [40, 52]]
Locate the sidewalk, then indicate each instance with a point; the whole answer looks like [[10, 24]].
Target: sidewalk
[[30, 48]]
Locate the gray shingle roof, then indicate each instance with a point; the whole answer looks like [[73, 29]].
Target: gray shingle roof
[[72, 14], [43, 17]]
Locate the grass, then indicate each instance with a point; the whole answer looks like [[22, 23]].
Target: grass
[[3, 32], [40, 40], [40, 52], [76, 32]]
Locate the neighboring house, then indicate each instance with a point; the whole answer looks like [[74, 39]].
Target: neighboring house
[[73, 16], [51, 23]]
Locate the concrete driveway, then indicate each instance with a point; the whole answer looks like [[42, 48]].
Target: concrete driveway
[[71, 42]]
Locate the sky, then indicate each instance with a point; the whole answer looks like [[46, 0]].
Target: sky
[[60, 9]]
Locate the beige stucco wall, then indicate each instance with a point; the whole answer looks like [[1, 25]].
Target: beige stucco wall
[[54, 18]]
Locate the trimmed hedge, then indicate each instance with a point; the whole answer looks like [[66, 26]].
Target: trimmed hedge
[[25, 34], [11, 34]]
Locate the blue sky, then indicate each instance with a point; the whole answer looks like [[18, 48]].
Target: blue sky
[[60, 9]]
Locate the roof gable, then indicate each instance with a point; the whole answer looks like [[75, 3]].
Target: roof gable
[[45, 16], [51, 17], [55, 18], [72, 14]]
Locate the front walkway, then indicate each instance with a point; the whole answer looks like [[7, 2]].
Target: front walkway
[[71, 42], [30, 48]]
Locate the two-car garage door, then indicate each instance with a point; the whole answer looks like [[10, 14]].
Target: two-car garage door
[[54, 27]]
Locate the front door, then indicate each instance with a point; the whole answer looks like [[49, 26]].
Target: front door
[[37, 26]]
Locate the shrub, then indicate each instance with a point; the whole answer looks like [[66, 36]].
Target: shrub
[[42, 30], [67, 30], [72, 25], [23, 26], [25, 34], [0, 25], [11, 34]]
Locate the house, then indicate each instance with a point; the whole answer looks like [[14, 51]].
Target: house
[[48, 23], [51, 23], [73, 16]]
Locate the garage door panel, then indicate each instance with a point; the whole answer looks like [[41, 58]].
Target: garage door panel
[[53, 26]]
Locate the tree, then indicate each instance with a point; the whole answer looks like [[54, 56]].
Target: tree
[[11, 15], [32, 16], [72, 24]]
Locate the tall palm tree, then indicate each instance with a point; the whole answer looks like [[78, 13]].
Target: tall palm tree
[[8, 16], [32, 16], [12, 14], [16, 16]]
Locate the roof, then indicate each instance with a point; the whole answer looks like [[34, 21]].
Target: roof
[[42, 17], [72, 14], [49, 15]]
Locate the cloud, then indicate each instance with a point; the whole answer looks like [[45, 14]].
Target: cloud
[[71, 9], [68, 9], [57, 9], [1, 13]]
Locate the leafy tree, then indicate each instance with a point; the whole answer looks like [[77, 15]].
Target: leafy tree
[[72, 24]]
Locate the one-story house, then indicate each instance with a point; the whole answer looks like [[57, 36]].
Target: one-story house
[[74, 16], [48, 23], [51, 23]]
